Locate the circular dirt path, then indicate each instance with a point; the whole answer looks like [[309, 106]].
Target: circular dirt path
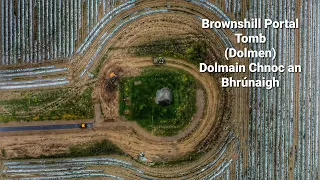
[[159, 147]]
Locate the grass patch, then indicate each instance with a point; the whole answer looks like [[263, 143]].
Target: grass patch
[[3, 153], [99, 148], [191, 157], [159, 120], [57, 104], [195, 52]]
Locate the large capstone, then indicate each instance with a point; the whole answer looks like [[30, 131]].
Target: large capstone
[[164, 97]]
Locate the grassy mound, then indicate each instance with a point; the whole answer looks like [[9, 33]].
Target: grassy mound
[[140, 106]]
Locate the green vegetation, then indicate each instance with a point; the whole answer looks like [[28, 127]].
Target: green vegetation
[[195, 51], [56, 104], [104, 147], [3, 153], [141, 106], [100, 148], [193, 156]]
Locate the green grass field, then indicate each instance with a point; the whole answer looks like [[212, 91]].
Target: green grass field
[[55, 104], [141, 90]]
